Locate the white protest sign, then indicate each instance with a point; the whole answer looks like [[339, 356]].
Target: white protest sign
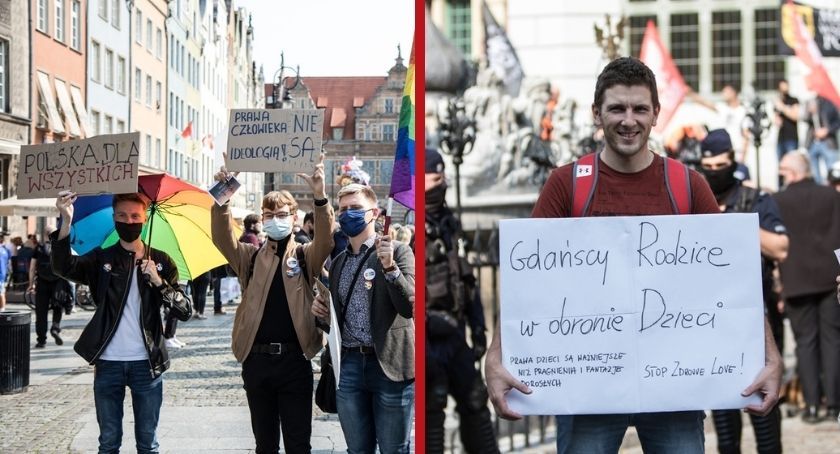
[[101, 164], [631, 314], [273, 140]]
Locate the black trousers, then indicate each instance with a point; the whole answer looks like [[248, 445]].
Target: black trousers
[[279, 391], [815, 320], [199, 291], [43, 294], [217, 294]]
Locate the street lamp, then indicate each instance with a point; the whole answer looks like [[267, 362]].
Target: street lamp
[[281, 91], [457, 138]]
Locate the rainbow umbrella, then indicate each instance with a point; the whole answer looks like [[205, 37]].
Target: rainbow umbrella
[[178, 223]]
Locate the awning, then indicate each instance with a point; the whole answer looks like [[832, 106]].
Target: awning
[[9, 147], [339, 117], [322, 101], [29, 207], [79, 103], [47, 98], [358, 101], [67, 108]]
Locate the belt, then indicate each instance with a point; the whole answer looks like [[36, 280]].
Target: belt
[[363, 349], [276, 348]]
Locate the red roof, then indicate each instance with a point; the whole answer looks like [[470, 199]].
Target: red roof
[[340, 93]]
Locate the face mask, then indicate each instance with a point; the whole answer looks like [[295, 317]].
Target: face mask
[[353, 222], [128, 232], [277, 229], [435, 198], [721, 180]]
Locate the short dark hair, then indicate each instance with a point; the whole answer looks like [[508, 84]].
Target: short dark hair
[[250, 221], [627, 71], [309, 217], [131, 197]]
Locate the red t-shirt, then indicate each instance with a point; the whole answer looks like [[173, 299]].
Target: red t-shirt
[[622, 194]]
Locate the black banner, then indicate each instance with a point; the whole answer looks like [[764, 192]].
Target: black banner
[[823, 24]]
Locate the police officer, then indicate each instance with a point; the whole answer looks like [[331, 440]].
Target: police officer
[[718, 165], [452, 300]]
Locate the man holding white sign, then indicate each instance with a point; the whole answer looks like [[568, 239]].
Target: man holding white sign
[[626, 179]]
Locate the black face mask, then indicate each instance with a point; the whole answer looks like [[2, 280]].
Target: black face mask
[[721, 180], [128, 232], [435, 198]]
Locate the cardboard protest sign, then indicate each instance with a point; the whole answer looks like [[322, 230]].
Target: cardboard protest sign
[[274, 140], [101, 164], [631, 314]]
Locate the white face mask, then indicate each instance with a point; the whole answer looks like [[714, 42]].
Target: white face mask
[[277, 229]]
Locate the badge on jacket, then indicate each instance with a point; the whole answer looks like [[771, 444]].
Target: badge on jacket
[[369, 274], [107, 267]]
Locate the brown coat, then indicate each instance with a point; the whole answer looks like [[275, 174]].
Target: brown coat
[[254, 294]]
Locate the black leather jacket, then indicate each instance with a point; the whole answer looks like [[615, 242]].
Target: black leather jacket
[[106, 272]]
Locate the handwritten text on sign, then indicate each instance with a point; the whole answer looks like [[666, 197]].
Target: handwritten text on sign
[[101, 164], [631, 314], [274, 139]]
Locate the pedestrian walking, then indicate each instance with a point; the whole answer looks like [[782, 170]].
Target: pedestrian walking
[[372, 283], [124, 339], [274, 334], [630, 181]]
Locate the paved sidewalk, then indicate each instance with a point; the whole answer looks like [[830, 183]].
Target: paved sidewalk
[[204, 406]]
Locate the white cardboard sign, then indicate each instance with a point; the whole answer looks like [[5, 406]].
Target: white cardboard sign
[[101, 164], [631, 314], [274, 140]]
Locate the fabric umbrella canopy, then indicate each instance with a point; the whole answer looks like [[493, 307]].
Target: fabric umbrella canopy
[[178, 223]]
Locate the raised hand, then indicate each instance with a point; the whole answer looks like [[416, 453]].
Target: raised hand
[[223, 173], [64, 203], [316, 180]]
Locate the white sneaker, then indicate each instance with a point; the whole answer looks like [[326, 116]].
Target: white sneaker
[[179, 341], [172, 343]]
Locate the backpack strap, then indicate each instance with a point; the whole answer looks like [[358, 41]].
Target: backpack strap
[[584, 178], [301, 258], [679, 185]]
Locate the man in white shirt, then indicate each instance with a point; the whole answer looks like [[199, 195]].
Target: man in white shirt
[[124, 337]]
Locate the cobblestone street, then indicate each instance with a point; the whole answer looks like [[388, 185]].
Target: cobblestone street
[[204, 405]]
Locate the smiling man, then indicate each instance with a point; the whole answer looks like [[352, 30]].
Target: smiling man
[[626, 179]]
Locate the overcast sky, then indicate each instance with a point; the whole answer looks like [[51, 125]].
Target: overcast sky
[[330, 37]]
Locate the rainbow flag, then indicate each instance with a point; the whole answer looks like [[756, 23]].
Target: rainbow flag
[[402, 180]]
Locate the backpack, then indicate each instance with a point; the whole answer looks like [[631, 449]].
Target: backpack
[[585, 178]]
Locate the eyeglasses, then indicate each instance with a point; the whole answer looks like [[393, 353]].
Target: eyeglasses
[[279, 216]]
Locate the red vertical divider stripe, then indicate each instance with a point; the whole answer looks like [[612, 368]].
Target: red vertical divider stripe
[[420, 227]]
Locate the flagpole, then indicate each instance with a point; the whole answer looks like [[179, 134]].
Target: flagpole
[[388, 215]]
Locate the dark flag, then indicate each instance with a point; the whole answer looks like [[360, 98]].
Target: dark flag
[[822, 24], [501, 57]]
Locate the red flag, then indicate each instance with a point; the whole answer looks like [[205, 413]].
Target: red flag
[[187, 132], [806, 50], [669, 82]]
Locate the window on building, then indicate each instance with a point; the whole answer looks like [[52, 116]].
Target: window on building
[[138, 84], [95, 123], [109, 68], [360, 131], [96, 61], [106, 124], [115, 13], [386, 170], [103, 9], [4, 75], [172, 51], [138, 27], [338, 133], [158, 95], [685, 46], [75, 28], [147, 156], [159, 44], [43, 16], [157, 153], [726, 49], [374, 132], [459, 22], [637, 32], [171, 111], [149, 35], [120, 127], [148, 90], [389, 105], [388, 133], [287, 178], [121, 75], [59, 20], [769, 65]]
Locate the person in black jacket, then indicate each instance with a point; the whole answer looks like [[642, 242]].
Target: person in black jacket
[[812, 216], [124, 337]]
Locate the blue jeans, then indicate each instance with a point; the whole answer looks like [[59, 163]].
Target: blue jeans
[[680, 432], [109, 381], [372, 408], [784, 146], [820, 150]]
